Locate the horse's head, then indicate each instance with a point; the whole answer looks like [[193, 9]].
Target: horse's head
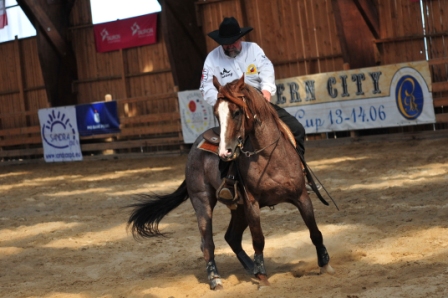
[[229, 112], [241, 108], [236, 115]]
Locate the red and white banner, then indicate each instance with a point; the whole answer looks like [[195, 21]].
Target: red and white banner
[[126, 33], [3, 16]]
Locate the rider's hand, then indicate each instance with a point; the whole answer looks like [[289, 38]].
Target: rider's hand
[[266, 95]]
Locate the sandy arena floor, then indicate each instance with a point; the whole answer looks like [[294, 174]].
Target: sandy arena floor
[[63, 230]]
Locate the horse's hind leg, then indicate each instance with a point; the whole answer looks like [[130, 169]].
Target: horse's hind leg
[[234, 237], [306, 210]]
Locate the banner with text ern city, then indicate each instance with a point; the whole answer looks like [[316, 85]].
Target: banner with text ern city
[[383, 96]]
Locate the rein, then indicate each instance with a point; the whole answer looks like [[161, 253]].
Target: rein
[[250, 153], [241, 144]]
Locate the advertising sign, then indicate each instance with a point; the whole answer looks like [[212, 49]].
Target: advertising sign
[[383, 96], [59, 131], [97, 118], [196, 115], [128, 33]]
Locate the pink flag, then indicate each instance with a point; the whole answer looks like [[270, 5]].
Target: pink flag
[[3, 16], [126, 33]]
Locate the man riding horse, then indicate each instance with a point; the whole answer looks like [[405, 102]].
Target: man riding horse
[[230, 61]]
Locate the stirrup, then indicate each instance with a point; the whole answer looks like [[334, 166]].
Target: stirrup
[[228, 190]]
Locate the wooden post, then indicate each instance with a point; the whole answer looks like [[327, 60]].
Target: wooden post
[[107, 98]]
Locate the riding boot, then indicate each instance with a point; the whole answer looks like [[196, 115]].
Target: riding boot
[[308, 183], [228, 190], [309, 189]]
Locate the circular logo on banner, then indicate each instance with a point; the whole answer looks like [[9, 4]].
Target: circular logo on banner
[[197, 115], [409, 97], [58, 132]]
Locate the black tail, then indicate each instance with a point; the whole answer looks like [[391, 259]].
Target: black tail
[[150, 211]]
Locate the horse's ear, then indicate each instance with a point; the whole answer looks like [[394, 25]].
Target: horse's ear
[[216, 83], [240, 83]]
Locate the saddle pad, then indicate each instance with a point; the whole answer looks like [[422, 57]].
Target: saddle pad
[[209, 147]]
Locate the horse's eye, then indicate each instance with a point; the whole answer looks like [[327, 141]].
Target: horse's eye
[[236, 113]]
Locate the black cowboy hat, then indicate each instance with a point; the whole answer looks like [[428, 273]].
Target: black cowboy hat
[[229, 31]]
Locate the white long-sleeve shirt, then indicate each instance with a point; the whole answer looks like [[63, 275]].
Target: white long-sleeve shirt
[[251, 61]]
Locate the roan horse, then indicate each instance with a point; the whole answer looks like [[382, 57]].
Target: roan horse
[[270, 172]]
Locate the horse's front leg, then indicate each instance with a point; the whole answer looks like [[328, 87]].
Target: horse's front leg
[[234, 237], [204, 213], [252, 210]]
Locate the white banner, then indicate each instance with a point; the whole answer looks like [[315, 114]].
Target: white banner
[[196, 115], [408, 102], [59, 131], [374, 97]]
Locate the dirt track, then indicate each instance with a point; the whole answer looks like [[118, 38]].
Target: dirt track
[[63, 231]]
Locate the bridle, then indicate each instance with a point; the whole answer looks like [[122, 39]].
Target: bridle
[[251, 153], [242, 139]]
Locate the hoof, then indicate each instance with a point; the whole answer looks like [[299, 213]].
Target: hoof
[[218, 288], [327, 269], [263, 280], [216, 284]]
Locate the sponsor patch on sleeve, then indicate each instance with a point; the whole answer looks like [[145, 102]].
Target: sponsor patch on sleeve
[[251, 69]]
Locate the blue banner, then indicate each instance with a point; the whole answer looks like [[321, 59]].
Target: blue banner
[[97, 118]]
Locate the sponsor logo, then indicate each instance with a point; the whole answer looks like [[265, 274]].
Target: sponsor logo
[[110, 38], [136, 29], [226, 73], [196, 115], [97, 120], [58, 131], [251, 69], [409, 97], [96, 116]]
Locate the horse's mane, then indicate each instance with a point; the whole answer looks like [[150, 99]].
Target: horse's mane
[[254, 104]]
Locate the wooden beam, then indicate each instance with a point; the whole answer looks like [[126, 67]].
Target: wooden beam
[[411, 37], [47, 26], [439, 87], [21, 152], [20, 75], [369, 13], [131, 144], [209, 1], [21, 140], [442, 118], [440, 102], [178, 26], [151, 118], [437, 61], [12, 132], [340, 30], [354, 34], [307, 59]]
